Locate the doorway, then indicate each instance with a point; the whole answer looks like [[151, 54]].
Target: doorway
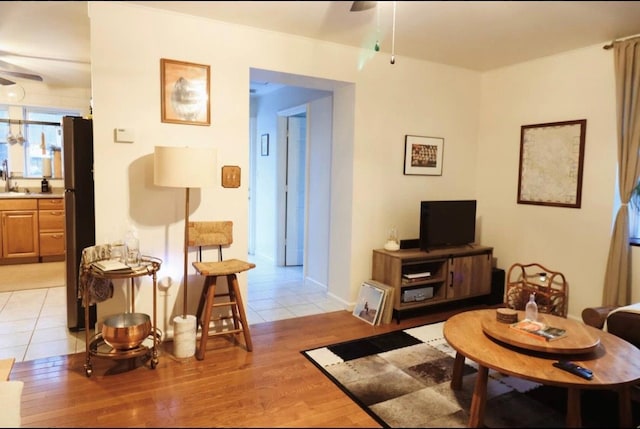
[[289, 204], [291, 242], [271, 112]]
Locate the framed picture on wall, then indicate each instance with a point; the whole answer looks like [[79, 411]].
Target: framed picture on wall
[[184, 92], [551, 163], [423, 155]]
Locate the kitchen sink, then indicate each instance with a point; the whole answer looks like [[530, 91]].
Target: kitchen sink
[[13, 194], [28, 194], [20, 194]]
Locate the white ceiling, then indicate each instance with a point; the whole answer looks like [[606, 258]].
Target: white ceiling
[[51, 38]]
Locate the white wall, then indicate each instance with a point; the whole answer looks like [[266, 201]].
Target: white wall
[[318, 207], [410, 97], [575, 85], [478, 115]]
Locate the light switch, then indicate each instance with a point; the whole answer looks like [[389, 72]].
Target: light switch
[[231, 176], [124, 135]]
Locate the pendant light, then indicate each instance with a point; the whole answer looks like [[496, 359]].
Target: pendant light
[[393, 35], [12, 93]]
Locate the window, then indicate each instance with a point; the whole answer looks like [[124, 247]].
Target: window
[[42, 139], [35, 124], [4, 130], [634, 216]]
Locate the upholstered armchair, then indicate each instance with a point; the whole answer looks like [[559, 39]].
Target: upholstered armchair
[[623, 322]]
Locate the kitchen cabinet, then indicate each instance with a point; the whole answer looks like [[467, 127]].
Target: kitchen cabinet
[[422, 279], [20, 240], [51, 228]]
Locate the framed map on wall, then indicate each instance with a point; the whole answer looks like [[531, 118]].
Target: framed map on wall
[[551, 163]]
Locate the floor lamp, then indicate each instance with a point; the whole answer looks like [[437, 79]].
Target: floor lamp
[[184, 167]]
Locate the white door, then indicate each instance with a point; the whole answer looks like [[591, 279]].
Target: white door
[[295, 189]]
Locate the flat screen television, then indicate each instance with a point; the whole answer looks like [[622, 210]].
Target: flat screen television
[[447, 223]]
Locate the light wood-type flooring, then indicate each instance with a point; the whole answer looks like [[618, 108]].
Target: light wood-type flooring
[[272, 386]]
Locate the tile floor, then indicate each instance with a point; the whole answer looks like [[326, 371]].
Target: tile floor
[[33, 322]]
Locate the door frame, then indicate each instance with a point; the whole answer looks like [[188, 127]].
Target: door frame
[[252, 186], [281, 208]]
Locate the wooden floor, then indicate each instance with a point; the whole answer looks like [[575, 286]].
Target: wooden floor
[[273, 386]]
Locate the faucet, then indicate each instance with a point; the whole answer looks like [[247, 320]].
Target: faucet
[[5, 176]]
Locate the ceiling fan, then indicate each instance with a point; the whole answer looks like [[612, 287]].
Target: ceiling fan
[[29, 63], [4, 81], [357, 6], [11, 70]]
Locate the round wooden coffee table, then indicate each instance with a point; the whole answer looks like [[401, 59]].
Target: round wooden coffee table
[[615, 364], [579, 338]]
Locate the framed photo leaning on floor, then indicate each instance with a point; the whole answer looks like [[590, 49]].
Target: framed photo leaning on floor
[[369, 304]]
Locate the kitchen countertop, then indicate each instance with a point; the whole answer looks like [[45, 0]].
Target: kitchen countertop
[[24, 195]]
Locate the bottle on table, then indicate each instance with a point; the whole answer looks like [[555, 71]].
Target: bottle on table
[[531, 309]]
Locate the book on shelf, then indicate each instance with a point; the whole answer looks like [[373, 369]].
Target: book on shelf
[[112, 266], [411, 276], [539, 330], [415, 280]]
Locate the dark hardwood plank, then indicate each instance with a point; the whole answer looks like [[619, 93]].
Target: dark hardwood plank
[[273, 386]]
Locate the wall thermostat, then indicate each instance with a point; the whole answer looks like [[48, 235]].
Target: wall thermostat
[[124, 135]]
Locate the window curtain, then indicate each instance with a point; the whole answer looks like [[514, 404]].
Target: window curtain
[[617, 285]]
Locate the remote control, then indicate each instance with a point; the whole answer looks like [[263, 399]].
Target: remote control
[[574, 369]]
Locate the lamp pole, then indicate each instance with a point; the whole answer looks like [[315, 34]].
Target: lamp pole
[[186, 252], [184, 168]]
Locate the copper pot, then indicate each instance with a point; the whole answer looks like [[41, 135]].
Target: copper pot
[[125, 331]]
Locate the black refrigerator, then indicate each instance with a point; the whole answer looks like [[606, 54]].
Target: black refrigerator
[[79, 205]]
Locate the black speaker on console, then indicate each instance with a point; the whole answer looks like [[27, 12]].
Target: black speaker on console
[[412, 243], [497, 287]]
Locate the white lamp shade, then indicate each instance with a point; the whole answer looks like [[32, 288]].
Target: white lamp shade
[[184, 167]]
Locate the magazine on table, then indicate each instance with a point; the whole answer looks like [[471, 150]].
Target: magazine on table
[[112, 266], [539, 330]]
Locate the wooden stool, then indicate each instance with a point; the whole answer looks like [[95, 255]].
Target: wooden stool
[[212, 270]]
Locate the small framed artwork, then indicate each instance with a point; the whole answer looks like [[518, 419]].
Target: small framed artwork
[[264, 145], [184, 92], [369, 304], [551, 163], [423, 155]]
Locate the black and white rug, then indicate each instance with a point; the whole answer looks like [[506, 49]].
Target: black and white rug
[[402, 379]]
